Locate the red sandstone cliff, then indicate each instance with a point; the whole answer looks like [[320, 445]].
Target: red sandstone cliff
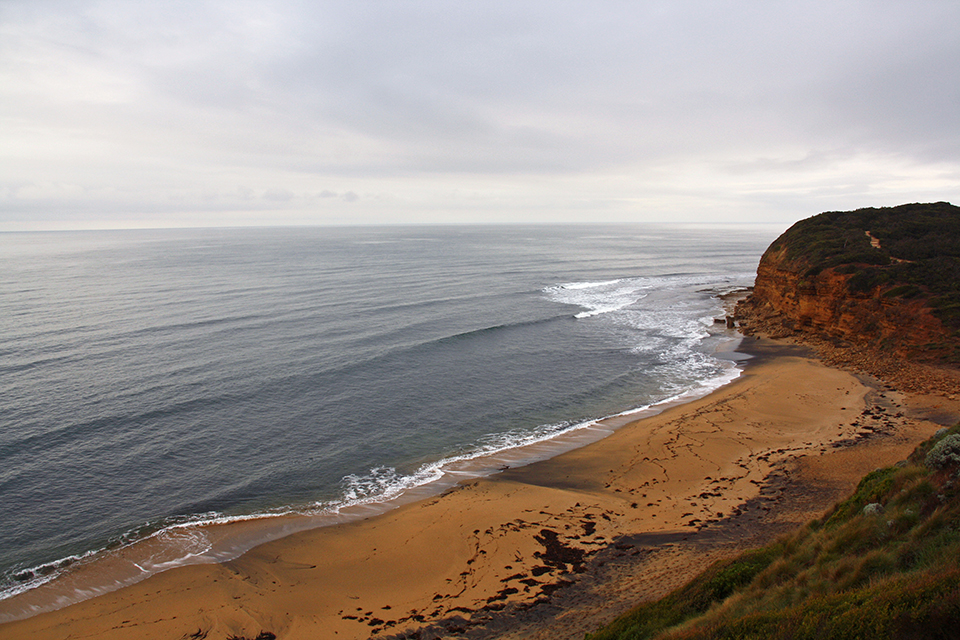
[[801, 290]]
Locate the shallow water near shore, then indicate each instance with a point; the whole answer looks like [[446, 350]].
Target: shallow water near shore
[[277, 379]]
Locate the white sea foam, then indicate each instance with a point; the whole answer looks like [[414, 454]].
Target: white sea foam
[[600, 297], [383, 484], [588, 285], [597, 298]]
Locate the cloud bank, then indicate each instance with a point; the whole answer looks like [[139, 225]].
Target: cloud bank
[[122, 114]]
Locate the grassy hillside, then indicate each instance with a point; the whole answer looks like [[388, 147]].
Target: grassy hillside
[[918, 256], [885, 563]]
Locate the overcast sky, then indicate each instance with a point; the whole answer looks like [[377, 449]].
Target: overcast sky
[[250, 112]]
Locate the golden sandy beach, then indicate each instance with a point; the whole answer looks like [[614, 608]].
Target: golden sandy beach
[[553, 549]]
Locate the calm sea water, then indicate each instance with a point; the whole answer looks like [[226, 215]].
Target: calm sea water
[[154, 378]]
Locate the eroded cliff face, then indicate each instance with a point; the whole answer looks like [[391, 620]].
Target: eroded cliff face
[[788, 301]]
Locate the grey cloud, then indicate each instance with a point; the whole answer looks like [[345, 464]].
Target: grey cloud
[[278, 195], [151, 97]]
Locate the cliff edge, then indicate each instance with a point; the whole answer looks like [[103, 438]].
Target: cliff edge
[[883, 281]]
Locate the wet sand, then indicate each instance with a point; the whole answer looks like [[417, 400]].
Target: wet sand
[[555, 548]]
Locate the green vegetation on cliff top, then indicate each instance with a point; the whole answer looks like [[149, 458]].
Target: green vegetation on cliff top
[[918, 256], [884, 563]]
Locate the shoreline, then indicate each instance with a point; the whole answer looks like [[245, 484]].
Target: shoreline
[[215, 540], [530, 549]]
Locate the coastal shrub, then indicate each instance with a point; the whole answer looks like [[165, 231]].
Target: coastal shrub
[[920, 453], [714, 585], [872, 487], [846, 269], [947, 308], [905, 291], [945, 453], [867, 280], [896, 606], [878, 562], [930, 549]]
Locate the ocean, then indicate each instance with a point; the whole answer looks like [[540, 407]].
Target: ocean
[[177, 396]]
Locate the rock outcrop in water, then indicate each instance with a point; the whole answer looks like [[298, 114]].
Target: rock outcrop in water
[[883, 279]]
